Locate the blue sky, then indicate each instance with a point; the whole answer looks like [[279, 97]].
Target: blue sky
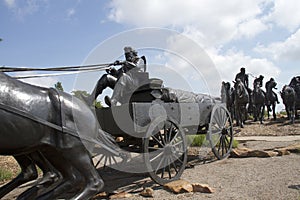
[[261, 35]]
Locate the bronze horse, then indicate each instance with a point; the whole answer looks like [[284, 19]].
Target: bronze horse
[[288, 96], [241, 99], [228, 93], [259, 100], [271, 99], [56, 124]]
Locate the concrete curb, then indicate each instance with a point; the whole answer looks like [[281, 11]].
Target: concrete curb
[[289, 138]]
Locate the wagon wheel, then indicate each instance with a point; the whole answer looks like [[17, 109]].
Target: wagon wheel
[[165, 151], [220, 133], [108, 153], [106, 159]]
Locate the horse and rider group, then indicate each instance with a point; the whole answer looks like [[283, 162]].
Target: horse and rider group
[[241, 100]]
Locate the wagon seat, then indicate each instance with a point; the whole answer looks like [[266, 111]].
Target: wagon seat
[[148, 90]]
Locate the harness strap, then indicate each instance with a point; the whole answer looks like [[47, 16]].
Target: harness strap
[[21, 113]]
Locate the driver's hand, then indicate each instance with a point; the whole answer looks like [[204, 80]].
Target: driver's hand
[[108, 70], [117, 62]]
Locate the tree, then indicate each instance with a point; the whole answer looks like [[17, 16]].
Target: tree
[[59, 86], [80, 93]]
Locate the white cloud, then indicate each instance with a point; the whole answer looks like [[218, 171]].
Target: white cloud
[[10, 3], [285, 13], [251, 28], [216, 21], [70, 12], [210, 23], [286, 50], [230, 63], [25, 7]]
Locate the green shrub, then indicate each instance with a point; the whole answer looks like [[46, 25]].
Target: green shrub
[[196, 140], [5, 175]]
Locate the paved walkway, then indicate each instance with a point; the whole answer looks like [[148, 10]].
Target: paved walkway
[[269, 138]]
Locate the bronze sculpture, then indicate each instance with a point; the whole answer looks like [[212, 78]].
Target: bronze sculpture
[[52, 122]]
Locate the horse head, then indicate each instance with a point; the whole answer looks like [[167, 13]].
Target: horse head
[[240, 89]]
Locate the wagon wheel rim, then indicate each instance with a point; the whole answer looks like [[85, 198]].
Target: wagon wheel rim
[[165, 151], [220, 132]]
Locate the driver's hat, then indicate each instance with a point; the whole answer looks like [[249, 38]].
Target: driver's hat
[[128, 49]]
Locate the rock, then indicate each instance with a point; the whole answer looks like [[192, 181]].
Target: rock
[[282, 152], [295, 148], [204, 188], [245, 152], [147, 192], [262, 154], [239, 152], [100, 195], [119, 139], [121, 195], [179, 186]]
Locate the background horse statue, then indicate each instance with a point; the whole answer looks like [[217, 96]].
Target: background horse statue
[[53, 123], [258, 97], [272, 99], [288, 96], [241, 99], [295, 84], [228, 98]]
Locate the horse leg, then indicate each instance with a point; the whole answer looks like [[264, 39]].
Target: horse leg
[[274, 113], [69, 176], [287, 112], [262, 112], [79, 160], [293, 114], [84, 165], [28, 173], [50, 175], [255, 113]]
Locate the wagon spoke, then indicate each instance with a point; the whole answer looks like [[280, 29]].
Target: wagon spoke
[[162, 139], [170, 133], [155, 148], [169, 167], [175, 167], [157, 156], [157, 140], [100, 159], [223, 145], [216, 120], [217, 127], [226, 118], [159, 165], [178, 143], [174, 138]]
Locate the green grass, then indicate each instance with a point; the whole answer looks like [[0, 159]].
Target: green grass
[[196, 140], [5, 175], [235, 143], [200, 140]]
